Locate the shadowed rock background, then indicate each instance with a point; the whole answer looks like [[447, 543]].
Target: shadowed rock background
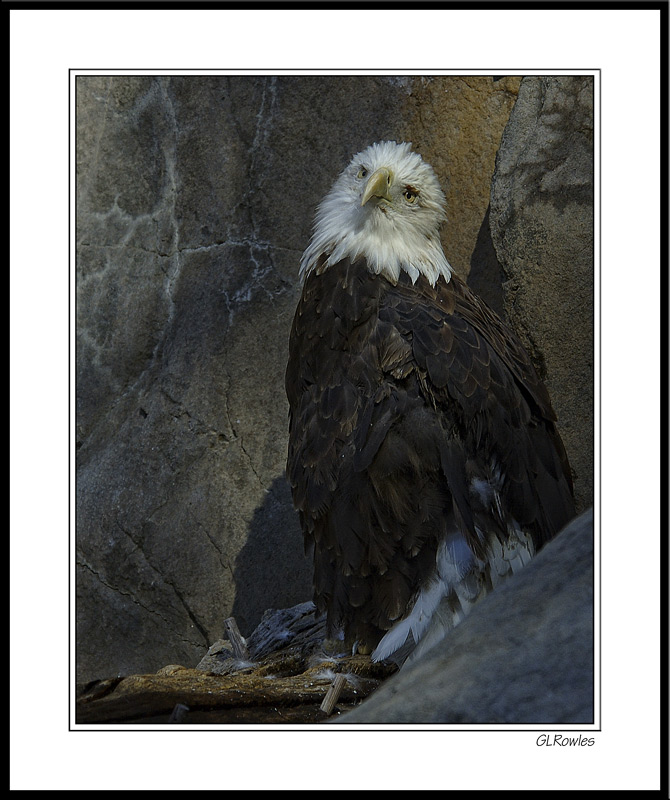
[[194, 201]]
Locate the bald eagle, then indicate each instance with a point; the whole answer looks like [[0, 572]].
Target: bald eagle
[[423, 455]]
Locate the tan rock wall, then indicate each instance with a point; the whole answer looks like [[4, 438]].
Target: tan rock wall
[[456, 123]]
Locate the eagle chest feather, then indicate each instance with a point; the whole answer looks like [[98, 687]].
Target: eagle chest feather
[[402, 415]]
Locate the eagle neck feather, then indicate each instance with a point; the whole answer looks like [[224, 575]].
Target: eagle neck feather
[[387, 249]]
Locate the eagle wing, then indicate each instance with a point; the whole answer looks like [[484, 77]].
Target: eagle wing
[[419, 436]]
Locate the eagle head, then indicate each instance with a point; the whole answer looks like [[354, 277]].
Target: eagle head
[[386, 206]]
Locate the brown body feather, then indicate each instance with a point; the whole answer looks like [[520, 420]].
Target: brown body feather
[[403, 397]]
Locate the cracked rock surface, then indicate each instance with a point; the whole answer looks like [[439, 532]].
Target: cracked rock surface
[[183, 299], [194, 201]]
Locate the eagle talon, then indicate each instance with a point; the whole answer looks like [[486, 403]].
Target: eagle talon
[[361, 648], [334, 648]]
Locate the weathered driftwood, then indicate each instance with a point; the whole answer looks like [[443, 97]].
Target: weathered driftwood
[[236, 639], [285, 678]]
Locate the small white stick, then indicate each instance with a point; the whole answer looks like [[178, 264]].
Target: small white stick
[[333, 693]]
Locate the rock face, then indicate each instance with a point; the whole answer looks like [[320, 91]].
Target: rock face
[[195, 199], [542, 229], [523, 655]]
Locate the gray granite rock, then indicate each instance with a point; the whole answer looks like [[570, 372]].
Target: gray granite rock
[[542, 228]]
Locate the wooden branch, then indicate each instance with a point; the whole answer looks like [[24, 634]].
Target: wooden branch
[[333, 693]]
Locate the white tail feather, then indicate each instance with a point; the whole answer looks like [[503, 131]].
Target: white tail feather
[[456, 585]]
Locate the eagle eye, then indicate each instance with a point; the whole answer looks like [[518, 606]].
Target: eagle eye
[[410, 195], [362, 173]]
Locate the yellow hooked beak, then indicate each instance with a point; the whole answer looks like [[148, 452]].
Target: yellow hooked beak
[[378, 185]]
